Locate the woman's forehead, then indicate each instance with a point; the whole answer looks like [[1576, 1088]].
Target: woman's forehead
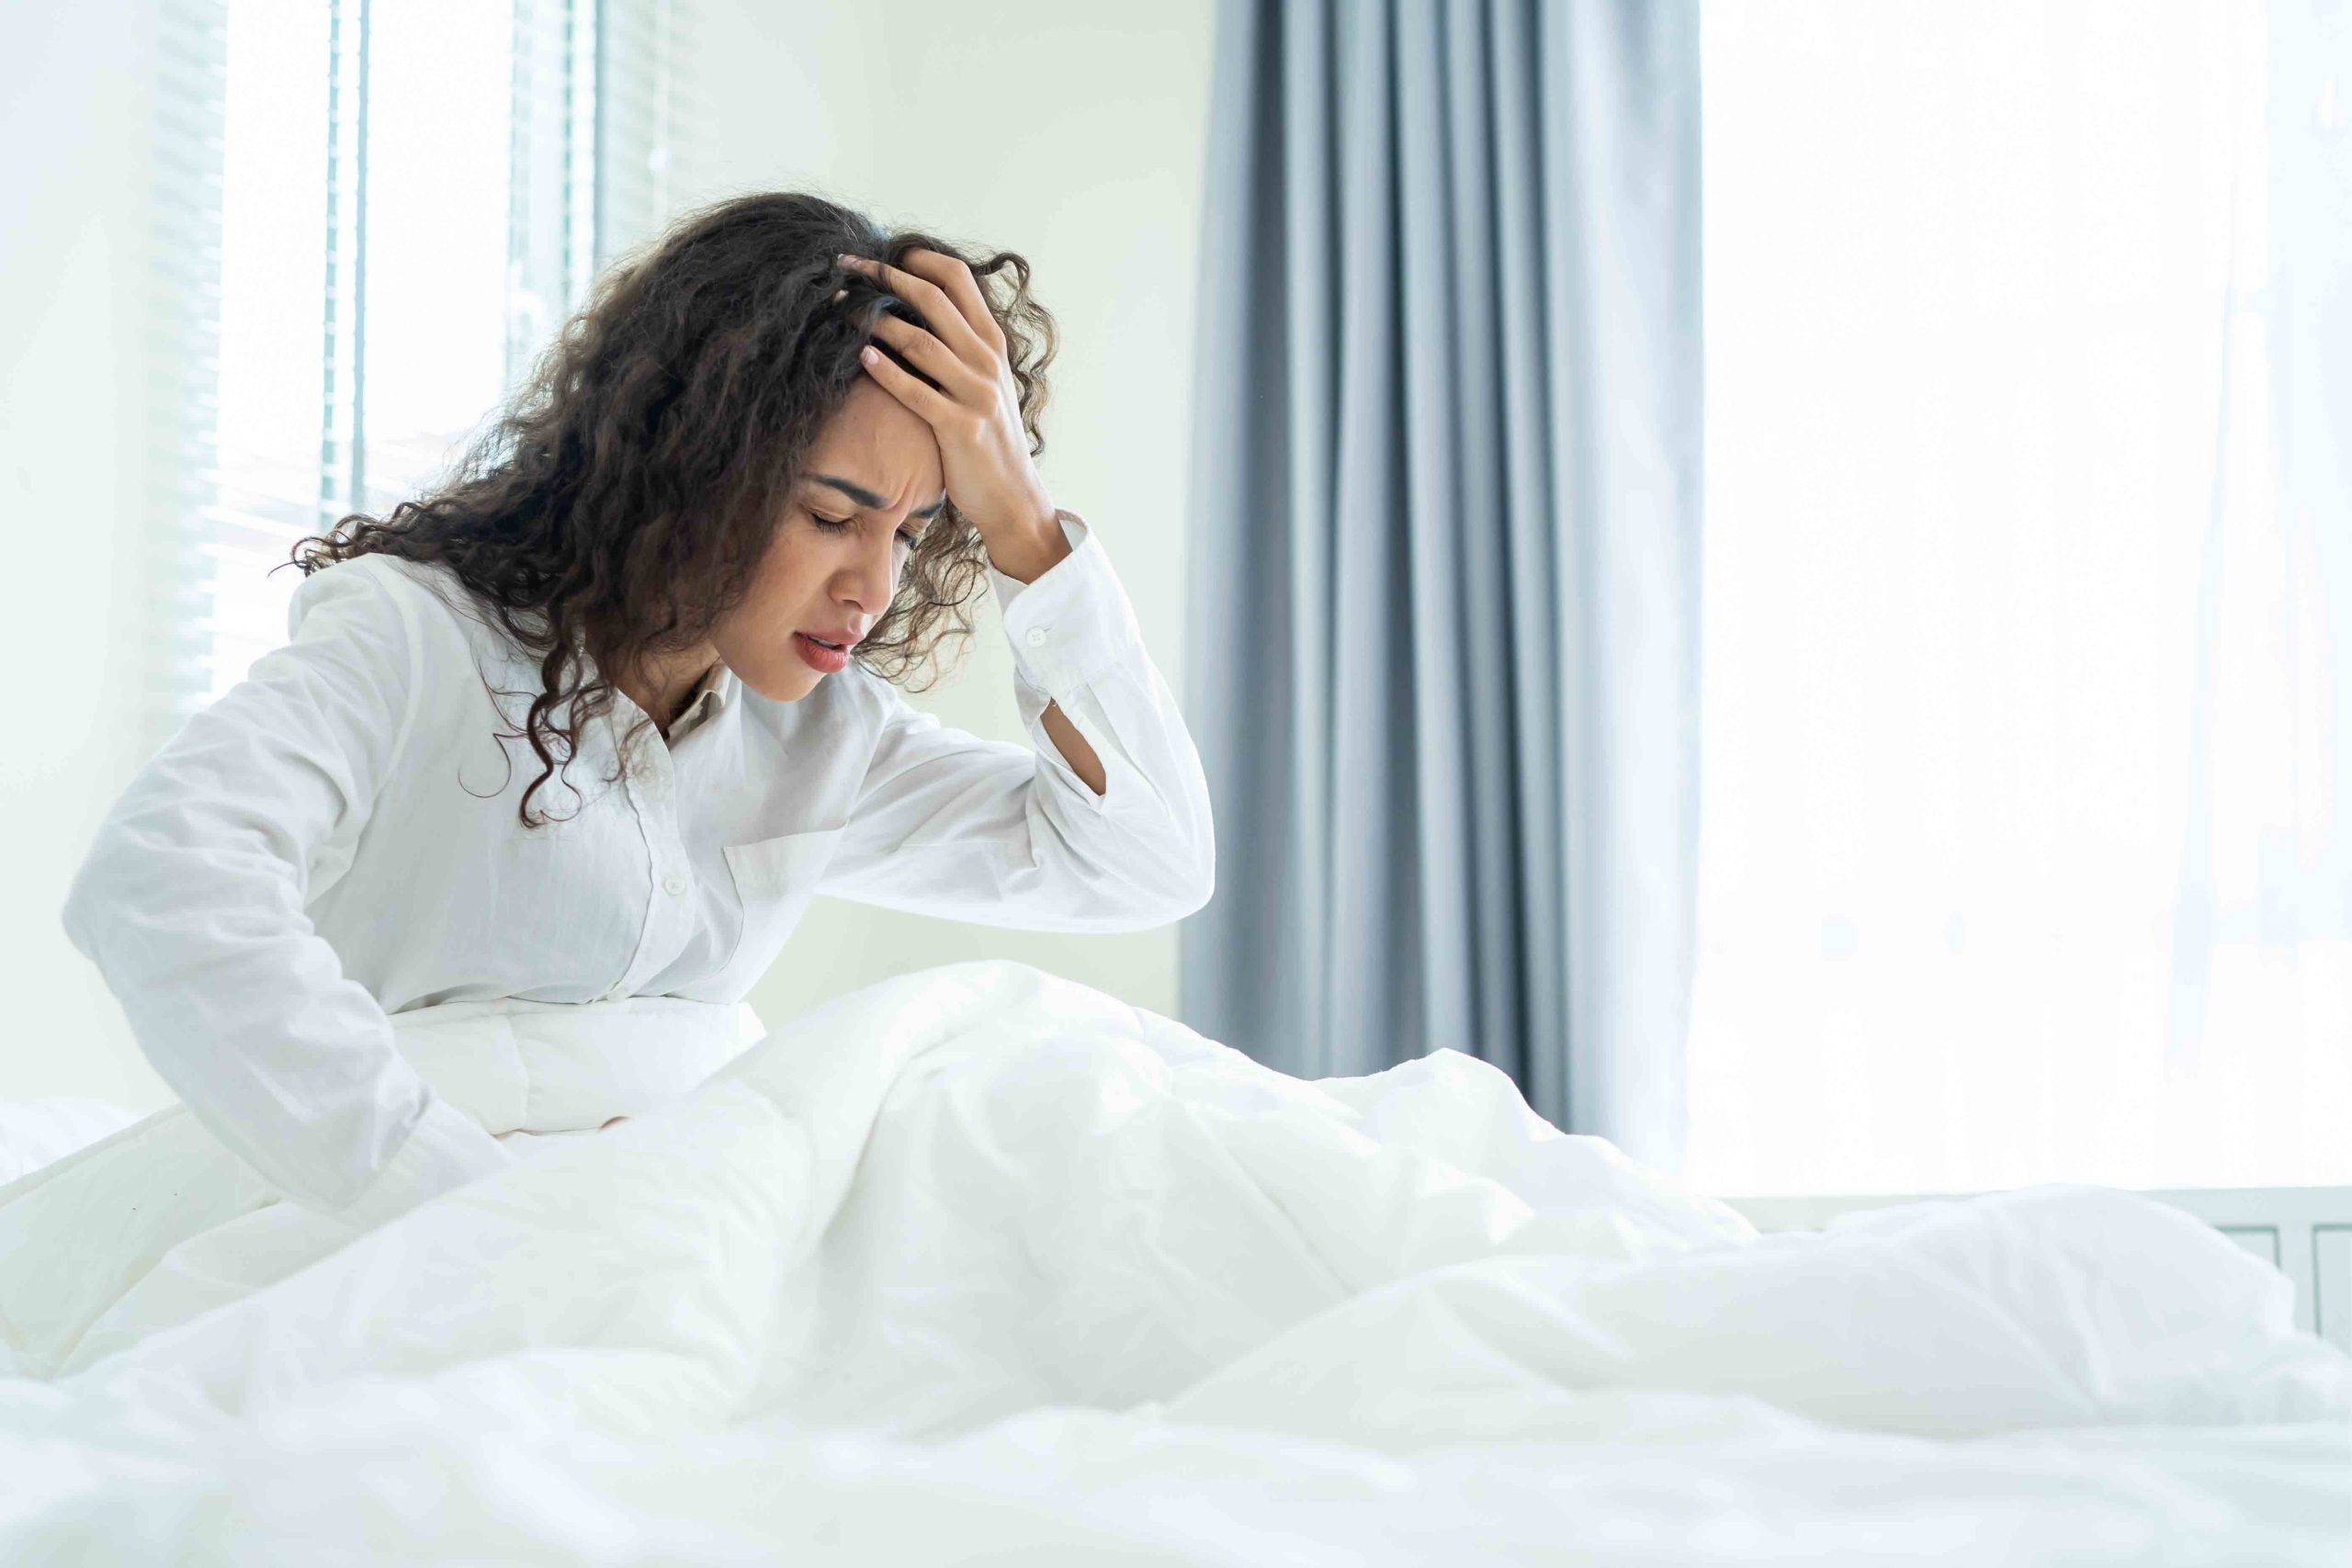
[[880, 446]]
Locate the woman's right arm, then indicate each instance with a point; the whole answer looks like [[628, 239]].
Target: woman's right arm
[[191, 903]]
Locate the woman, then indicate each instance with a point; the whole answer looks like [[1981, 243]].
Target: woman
[[592, 722]]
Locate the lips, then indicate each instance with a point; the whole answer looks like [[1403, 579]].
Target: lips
[[823, 654]]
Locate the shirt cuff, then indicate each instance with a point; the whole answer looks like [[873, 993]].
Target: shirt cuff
[[1008, 589], [1072, 622], [446, 1148]]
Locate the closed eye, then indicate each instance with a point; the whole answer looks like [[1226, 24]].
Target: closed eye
[[837, 525]]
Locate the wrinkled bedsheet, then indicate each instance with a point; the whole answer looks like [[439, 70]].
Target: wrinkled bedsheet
[[35, 1132], [981, 1265]]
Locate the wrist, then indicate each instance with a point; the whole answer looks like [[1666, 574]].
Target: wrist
[[1032, 553]]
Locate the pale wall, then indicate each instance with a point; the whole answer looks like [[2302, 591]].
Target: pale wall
[[1070, 133]]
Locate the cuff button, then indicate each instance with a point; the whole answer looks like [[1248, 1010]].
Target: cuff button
[[1036, 637]]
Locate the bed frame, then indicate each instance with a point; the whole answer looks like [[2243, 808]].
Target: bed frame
[[2303, 1232]]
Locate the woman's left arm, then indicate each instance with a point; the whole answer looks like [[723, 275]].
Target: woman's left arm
[[948, 823], [1102, 822]]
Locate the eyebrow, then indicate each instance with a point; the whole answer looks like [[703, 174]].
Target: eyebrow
[[865, 497]]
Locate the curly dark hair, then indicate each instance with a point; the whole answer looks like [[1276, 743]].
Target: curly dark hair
[[620, 502]]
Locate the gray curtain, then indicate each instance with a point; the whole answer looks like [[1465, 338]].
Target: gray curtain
[[1443, 653]]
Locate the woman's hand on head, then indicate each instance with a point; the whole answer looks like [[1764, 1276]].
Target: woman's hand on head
[[976, 412]]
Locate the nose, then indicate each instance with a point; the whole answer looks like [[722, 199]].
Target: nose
[[870, 579]]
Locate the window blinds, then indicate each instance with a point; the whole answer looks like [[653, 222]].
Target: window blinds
[[372, 218]]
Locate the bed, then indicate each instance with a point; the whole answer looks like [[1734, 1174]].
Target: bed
[[35, 1132], [981, 1265]]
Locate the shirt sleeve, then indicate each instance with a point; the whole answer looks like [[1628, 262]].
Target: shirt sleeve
[[191, 903], [948, 823]]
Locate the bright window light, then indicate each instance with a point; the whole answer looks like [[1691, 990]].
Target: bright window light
[[2023, 857], [407, 215]]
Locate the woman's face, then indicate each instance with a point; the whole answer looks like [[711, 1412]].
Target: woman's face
[[874, 472]]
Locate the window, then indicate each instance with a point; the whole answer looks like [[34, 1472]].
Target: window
[[2027, 731], [413, 197]]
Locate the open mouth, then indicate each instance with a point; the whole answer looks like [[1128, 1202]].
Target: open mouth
[[830, 658]]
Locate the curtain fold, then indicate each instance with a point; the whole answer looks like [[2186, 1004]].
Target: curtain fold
[[1443, 661]]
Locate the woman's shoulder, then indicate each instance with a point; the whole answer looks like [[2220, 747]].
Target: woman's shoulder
[[428, 599], [382, 612]]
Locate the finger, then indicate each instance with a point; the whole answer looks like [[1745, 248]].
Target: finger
[[933, 408], [927, 353], [954, 277], [938, 309]]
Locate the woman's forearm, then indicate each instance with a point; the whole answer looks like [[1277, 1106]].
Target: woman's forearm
[[1025, 562], [1074, 749]]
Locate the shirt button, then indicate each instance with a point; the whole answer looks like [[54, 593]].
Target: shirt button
[[1036, 637], [673, 885]]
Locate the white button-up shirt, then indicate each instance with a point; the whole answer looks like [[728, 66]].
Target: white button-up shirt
[[336, 841]]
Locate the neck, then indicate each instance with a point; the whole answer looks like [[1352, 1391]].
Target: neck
[[660, 684]]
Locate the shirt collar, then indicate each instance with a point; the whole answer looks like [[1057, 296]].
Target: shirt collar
[[722, 683], [709, 698]]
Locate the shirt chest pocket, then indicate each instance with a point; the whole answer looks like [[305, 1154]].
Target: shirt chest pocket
[[775, 879]]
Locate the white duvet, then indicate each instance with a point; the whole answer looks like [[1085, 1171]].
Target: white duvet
[[979, 1265]]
